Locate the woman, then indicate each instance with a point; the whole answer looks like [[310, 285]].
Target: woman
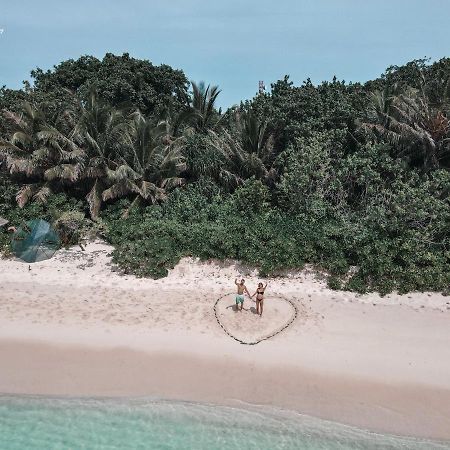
[[260, 298]]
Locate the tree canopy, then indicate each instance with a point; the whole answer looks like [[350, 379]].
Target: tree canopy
[[352, 178]]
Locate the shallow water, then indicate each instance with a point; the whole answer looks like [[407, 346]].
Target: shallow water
[[49, 423]]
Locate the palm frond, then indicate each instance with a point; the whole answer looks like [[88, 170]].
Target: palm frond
[[123, 172], [8, 148], [20, 137], [13, 117], [94, 199], [149, 191], [25, 194], [69, 172], [173, 182], [24, 166], [120, 189], [42, 194]]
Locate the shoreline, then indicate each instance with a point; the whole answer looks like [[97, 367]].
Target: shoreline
[[70, 371], [73, 327]]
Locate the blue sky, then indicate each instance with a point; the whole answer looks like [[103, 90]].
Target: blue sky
[[230, 43]]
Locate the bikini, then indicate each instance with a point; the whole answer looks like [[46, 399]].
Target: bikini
[[260, 292]]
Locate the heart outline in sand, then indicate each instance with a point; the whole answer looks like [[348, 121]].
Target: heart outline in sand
[[265, 337]]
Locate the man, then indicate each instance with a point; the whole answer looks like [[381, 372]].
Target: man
[[241, 289]]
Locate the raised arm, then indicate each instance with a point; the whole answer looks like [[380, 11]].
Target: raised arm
[[235, 281]]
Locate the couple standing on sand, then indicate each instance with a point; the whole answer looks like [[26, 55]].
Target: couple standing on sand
[[241, 289]]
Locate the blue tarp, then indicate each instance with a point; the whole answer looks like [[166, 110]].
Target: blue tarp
[[35, 241]]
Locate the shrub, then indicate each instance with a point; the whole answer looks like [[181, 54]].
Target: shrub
[[72, 227], [334, 283]]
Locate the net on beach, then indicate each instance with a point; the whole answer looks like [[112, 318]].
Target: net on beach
[[35, 241]]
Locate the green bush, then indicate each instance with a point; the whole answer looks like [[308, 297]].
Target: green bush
[[57, 207], [253, 196], [151, 241], [72, 227], [334, 283]]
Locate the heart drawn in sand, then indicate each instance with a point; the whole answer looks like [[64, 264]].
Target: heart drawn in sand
[[249, 328]]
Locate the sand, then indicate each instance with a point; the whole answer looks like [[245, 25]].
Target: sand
[[74, 325]]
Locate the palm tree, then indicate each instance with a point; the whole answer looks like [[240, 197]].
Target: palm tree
[[152, 166], [203, 158], [204, 116], [100, 130], [250, 150], [24, 142], [437, 89], [35, 150], [380, 103], [412, 124]]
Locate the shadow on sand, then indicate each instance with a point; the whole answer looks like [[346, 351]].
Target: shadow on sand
[[235, 308]]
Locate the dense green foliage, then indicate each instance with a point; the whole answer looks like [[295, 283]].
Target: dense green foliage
[[353, 179], [56, 210]]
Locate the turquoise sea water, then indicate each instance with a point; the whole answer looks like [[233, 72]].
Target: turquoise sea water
[[38, 423]]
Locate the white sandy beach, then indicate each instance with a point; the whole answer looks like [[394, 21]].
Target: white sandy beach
[[72, 326]]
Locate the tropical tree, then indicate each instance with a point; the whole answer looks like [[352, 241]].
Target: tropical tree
[[150, 168], [204, 115], [20, 151], [100, 130], [37, 151], [249, 148], [118, 78], [10, 100], [203, 158], [415, 126]]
